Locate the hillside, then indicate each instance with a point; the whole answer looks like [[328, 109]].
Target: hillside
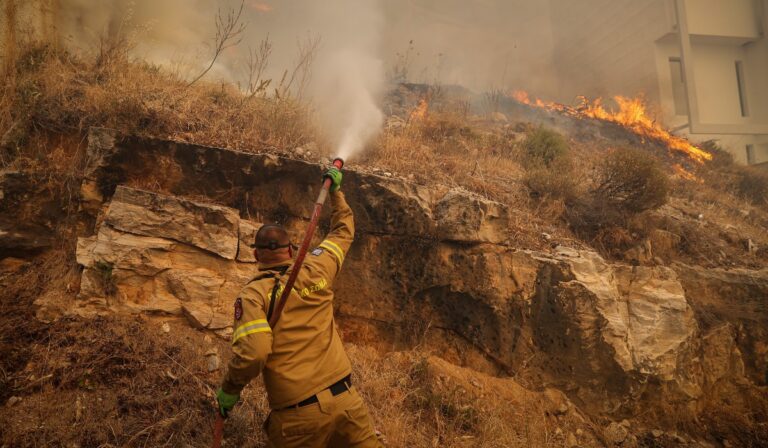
[[523, 275]]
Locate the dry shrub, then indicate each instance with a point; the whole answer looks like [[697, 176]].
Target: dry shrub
[[441, 126], [62, 92], [632, 181], [724, 174], [419, 401], [753, 185], [555, 181]]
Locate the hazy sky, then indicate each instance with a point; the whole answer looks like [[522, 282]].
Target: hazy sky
[[479, 44]]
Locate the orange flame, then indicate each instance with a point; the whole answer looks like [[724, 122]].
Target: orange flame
[[631, 115], [420, 111]]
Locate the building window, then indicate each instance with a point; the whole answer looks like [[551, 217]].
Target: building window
[[751, 155], [742, 89], [678, 86]]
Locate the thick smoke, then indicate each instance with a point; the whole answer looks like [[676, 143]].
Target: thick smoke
[[347, 72], [348, 77], [484, 44], [478, 44]]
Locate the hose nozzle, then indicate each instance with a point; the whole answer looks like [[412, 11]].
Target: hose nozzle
[[338, 162]]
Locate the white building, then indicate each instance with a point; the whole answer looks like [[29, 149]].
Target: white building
[[704, 63]]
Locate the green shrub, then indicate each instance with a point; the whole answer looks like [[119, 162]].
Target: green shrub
[[544, 147], [631, 181], [547, 160]]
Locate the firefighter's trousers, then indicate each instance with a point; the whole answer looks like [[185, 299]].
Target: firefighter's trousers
[[334, 421]]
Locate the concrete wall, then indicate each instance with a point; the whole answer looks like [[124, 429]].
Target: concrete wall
[[756, 65], [726, 18], [716, 83], [666, 48]]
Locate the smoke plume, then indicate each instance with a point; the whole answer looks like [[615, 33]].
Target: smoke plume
[[348, 77], [484, 44]]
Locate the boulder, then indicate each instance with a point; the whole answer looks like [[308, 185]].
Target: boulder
[[210, 227], [615, 434], [465, 217], [140, 260], [246, 237], [735, 296], [612, 321]]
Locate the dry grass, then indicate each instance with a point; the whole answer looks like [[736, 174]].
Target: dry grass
[[58, 92], [122, 381], [419, 400]]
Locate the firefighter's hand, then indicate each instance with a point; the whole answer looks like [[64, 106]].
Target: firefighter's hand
[[226, 401], [334, 174]]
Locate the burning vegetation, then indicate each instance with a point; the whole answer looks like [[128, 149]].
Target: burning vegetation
[[632, 114]]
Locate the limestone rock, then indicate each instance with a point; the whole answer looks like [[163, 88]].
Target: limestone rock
[[660, 320], [393, 207], [212, 360], [210, 227], [128, 270], [246, 237], [735, 296], [465, 217], [101, 145], [605, 319]]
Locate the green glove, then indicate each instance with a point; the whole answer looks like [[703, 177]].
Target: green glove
[[334, 174], [226, 401]]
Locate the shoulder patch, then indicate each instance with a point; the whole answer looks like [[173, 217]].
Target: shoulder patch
[[238, 308], [317, 251]]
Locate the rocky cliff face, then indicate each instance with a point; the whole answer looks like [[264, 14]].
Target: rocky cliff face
[[165, 228]]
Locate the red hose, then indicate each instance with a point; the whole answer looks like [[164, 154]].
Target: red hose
[[338, 163], [218, 430]]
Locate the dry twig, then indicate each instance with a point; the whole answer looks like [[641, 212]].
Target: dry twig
[[229, 32]]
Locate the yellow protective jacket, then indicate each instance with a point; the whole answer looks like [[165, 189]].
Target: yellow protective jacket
[[303, 354]]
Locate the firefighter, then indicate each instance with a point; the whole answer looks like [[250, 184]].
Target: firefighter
[[306, 370]]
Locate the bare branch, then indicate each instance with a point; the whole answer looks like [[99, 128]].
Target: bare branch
[[302, 70], [229, 32], [257, 62]]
